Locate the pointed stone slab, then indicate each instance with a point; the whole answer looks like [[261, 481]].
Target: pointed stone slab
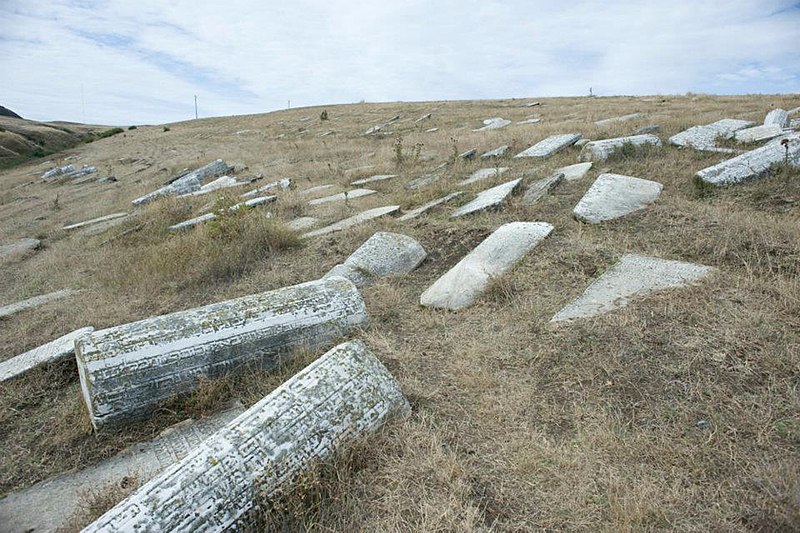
[[422, 182], [383, 254], [63, 495], [494, 124], [341, 397], [574, 172], [617, 120], [354, 220], [482, 174], [633, 276], [601, 150], [343, 196], [52, 352], [414, 213], [550, 146], [753, 164], [127, 370], [777, 117], [614, 195], [187, 182], [463, 284], [488, 199], [705, 137], [302, 223], [541, 187], [500, 151], [36, 301], [19, 247], [758, 133], [98, 220], [371, 179], [282, 184]]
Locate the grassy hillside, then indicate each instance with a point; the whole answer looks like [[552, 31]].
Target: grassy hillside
[[678, 412]]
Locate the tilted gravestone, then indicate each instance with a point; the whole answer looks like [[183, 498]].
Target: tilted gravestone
[[354, 220], [705, 137], [98, 220], [343, 196], [758, 133], [52, 352], [283, 184], [777, 117], [36, 301], [127, 370], [753, 164], [414, 213], [19, 248], [488, 199], [539, 188], [482, 174], [500, 151], [613, 196], [574, 172], [186, 183], [372, 179], [383, 254], [603, 149], [550, 146], [338, 398], [617, 120]]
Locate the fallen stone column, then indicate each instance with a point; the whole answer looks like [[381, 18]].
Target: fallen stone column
[[341, 396], [127, 370], [601, 150], [753, 164], [383, 254]]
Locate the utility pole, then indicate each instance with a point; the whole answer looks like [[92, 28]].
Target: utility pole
[[83, 105], [195, 107], [288, 104]]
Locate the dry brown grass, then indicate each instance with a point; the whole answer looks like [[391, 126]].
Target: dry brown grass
[[679, 412]]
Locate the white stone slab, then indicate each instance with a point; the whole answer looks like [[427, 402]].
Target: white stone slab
[[49, 505], [187, 182], [466, 281], [777, 117], [383, 254], [705, 137], [633, 276], [469, 154], [339, 398], [530, 121], [541, 187], [488, 199], [19, 247], [500, 151], [343, 196], [315, 190], [423, 117], [793, 111], [36, 301], [222, 182], [613, 195], [758, 133], [601, 150], [98, 220], [414, 213], [52, 352], [371, 179], [431, 130], [422, 182], [495, 123], [651, 128], [550, 146], [483, 174], [253, 202], [574, 172], [533, 104], [58, 171], [753, 164], [127, 370], [282, 184], [302, 223], [617, 120], [354, 220]]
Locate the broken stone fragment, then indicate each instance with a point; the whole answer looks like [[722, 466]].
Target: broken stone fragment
[[371, 179], [414, 213], [488, 199], [550, 146], [339, 398], [574, 172], [758, 133], [36, 301], [613, 196], [500, 151], [98, 220], [777, 117], [601, 150], [753, 164], [482, 174], [634, 275], [52, 352], [617, 120], [354, 220], [343, 196], [383, 254], [463, 284], [652, 128], [705, 137], [127, 370], [222, 182], [431, 130], [58, 171], [495, 123], [187, 182], [541, 187]]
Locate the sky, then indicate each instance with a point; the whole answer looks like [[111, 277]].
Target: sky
[[122, 62]]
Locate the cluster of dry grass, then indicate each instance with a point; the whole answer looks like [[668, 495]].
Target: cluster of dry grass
[[677, 412]]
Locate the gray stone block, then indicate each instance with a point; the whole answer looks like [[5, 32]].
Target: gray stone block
[[483, 174], [574, 172], [383, 254], [758, 133], [36, 301], [550, 146], [613, 196], [343, 196], [414, 213], [500, 151], [705, 137], [617, 120], [18, 248], [282, 184], [98, 220], [488, 199], [52, 352], [601, 150], [541, 187], [371, 179], [753, 164], [777, 117]]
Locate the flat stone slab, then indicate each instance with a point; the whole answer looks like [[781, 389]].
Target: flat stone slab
[[52, 352], [633, 276], [574, 172], [223, 182], [422, 182], [19, 247], [652, 128], [371, 179], [338, 399], [431, 130], [93, 221], [383, 254], [617, 120], [58, 171], [187, 182], [354, 220], [530, 121], [482, 174], [601, 150], [550, 146], [302, 223], [758, 133], [753, 164], [777, 117], [705, 137], [541, 187], [613, 196], [316, 190], [463, 284], [488, 199], [414, 213], [495, 123], [343, 196], [469, 154], [36, 301], [500, 151], [49, 505]]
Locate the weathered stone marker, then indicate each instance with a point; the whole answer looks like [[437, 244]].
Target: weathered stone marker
[[302, 223], [488, 199], [314, 190], [466, 281], [753, 164], [354, 220], [52, 352], [98, 220], [223, 182], [343, 196], [494, 124], [252, 202], [482, 174], [58, 171], [617, 120], [372, 179], [500, 151], [550, 146], [422, 182], [383, 254], [338, 398], [614, 195], [36, 301], [18, 248], [283, 184], [534, 120], [414, 213], [634, 275], [541, 187], [705, 137], [758, 133], [469, 154], [574, 172], [601, 150], [777, 117], [127, 370], [188, 182]]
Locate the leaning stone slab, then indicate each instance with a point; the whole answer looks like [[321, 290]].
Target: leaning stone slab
[[705, 137], [431, 130], [252, 202], [550, 146], [488, 199], [495, 123], [343, 196], [753, 164], [52, 352], [541, 187], [283, 184], [19, 247], [617, 120], [414, 213], [83, 171], [633, 276], [574, 172], [758, 133], [497, 152], [469, 154], [777, 117], [192, 222], [314, 190], [422, 182], [466, 281], [354, 220], [342, 396], [36, 301], [383, 254], [126, 371], [302, 223], [482, 174], [98, 220], [188, 182], [371, 179], [58, 171], [613, 196], [63, 495], [223, 182], [601, 150]]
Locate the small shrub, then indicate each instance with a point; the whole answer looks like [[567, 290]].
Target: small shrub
[[398, 152], [166, 128], [131, 128]]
